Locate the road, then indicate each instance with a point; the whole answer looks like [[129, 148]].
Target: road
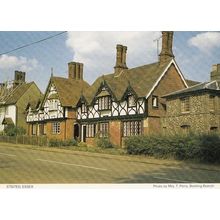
[[20, 165]]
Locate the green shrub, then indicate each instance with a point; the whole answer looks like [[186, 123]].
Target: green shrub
[[82, 144], [204, 148], [62, 143], [103, 142], [210, 148], [12, 130]]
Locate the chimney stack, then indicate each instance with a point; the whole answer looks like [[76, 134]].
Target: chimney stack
[[120, 58], [167, 44], [19, 77], [75, 70], [215, 74]]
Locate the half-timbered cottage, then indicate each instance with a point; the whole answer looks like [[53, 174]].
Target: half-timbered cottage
[[55, 115], [129, 101]]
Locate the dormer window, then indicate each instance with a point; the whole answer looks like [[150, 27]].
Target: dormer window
[[155, 101], [131, 101], [104, 103], [83, 108]]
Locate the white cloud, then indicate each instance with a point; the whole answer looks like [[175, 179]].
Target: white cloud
[[206, 42], [97, 50], [17, 63]]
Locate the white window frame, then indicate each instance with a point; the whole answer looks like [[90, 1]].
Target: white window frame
[[131, 101], [155, 101], [56, 127], [104, 103], [185, 104], [132, 128], [83, 108], [90, 130], [104, 129], [34, 129], [53, 104]]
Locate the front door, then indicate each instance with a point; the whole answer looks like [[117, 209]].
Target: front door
[[84, 133], [76, 131]]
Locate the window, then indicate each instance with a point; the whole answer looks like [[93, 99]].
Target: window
[[131, 101], [56, 127], [132, 128], [185, 129], [103, 129], [53, 104], [6, 110], [90, 130], [185, 107], [155, 101], [42, 129], [34, 129], [104, 103], [83, 108], [212, 103], [213, 129]]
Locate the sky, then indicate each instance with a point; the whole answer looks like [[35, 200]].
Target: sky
[[195, 53]]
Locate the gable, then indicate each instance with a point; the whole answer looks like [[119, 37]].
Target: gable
[[51, 93], [170, 75], [170, 82]]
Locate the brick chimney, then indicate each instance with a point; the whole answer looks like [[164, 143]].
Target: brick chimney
[[167, 44], [19, 77], [215, 74], [120, 58], [75, 70]]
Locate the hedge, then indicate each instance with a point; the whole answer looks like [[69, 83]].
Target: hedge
[[204, 148], [62, 143]]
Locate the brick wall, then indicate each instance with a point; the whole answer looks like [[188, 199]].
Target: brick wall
[[169, 83], [200, 118], [115, 132]]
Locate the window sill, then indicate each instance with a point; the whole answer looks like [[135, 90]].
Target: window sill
[[185, 113], [102, 110]]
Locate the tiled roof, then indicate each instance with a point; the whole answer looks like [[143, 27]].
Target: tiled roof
[[140, 79], [191, 82], [210, 86], [14, 94], [69, 90]]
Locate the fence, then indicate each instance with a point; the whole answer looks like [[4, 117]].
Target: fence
[[30, 140]]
